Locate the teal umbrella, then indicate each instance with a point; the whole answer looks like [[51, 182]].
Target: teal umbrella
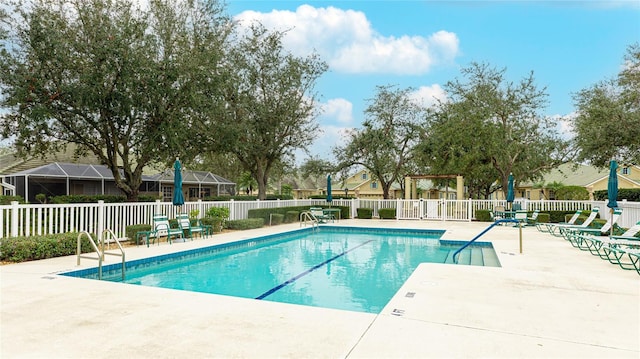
[[612, 188], [178, 197], [510, 192], [329, 196]]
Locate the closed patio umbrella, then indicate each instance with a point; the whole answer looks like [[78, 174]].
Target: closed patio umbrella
[[510, 192], [178, 197], [612, 188], [329, 196]]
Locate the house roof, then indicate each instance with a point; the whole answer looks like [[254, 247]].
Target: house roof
[[192, 177], [100, 172], [572, 174]]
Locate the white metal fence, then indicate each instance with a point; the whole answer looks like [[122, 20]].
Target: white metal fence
[[40, 219]]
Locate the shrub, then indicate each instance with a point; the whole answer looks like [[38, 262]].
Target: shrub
[[364, 213], [277, 218], [9, 199], [630, 194], [387, 213], [265, 213], [572, 193], [131, 231], [242, 224], [21, 249], [483, 215], [292, 216], [543, 217], [215, 223]]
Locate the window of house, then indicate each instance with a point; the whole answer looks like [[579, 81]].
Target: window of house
[[626, 170], [374, 185], [364, 176], [167, 193]]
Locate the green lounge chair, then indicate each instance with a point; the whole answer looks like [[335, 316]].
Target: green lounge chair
[[615, 255], [533, 220], [185, 224], [319, 215], [550, 227], [560, 229], [161, 228], [603, 231], [629, 233]]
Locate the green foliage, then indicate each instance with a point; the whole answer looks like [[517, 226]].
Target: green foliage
[[81, 198], [292, 216], [41, 197], [218, 212], [249, 223], [131, 87], [387, 213], [277, 218], [544, 217], [264, 213], [217, 224], [571, 193], [273, 107], [384, 144], [21, 249], [132, 230], [491, 127], [8, 199], [630, 194], [364, 213], [607, 124], [483, 215]]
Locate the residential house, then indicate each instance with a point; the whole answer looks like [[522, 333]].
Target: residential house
[[570, 174], [32, 176]]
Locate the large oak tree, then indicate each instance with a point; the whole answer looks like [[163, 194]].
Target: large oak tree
[[607, 125], [130, 85], [270, 103], [388, 135], [490, 127]]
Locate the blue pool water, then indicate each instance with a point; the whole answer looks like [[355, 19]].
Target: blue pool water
[[356, 269]]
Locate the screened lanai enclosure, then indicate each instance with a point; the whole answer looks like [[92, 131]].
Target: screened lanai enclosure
[[57, 179]]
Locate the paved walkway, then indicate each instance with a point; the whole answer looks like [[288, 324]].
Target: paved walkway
[[552, 300]]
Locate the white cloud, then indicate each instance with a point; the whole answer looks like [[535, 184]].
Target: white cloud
[[349, 43], [429, 95], [340, 109], [565, 125]]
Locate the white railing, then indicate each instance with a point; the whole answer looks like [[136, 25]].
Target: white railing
[[42, 219]]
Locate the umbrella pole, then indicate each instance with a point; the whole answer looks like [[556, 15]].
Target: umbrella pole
[[612, 224]]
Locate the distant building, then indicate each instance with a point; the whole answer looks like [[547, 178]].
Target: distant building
[[28, 178]]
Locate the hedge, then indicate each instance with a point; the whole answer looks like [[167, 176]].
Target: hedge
[[22, 249], [277, 218], [265, 213], [365, 213], [387, 213], [483, 215], [630, 194], [131, 231], [242, 224]]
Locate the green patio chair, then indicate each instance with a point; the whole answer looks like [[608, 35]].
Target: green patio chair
[[185, 224], [162, 228]]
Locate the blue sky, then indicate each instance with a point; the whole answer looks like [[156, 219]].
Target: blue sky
[[569, 46]]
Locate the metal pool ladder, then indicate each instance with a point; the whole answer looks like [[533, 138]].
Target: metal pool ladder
[[507, 220], [306, 217], [100, 251]]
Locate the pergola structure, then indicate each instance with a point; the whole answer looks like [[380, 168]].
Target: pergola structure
[[410, 188]]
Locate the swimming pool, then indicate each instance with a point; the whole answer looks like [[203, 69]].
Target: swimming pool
[[349, 268]]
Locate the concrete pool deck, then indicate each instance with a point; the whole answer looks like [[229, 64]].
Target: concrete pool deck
[[552, 300]]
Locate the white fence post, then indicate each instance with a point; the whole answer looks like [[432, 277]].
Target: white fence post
[[14, 218], [101, 220]]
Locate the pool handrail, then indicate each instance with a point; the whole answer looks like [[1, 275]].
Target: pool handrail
[[506, 220]]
